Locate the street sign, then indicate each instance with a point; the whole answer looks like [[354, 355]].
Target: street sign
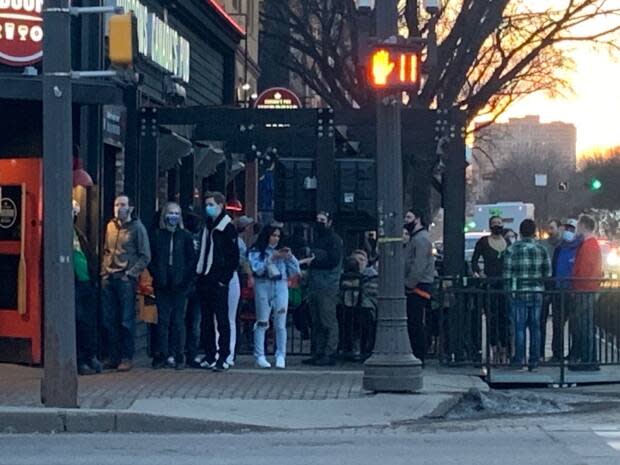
[[394, 67], [541, 180], [278, 98], [21, 32], [563, 186]]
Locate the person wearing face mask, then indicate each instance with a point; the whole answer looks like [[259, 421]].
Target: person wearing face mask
[[85, 270], [172, 267], [492, 249], [563, 263], [323, 288], [218, 260], [126, 254], [419, 277]]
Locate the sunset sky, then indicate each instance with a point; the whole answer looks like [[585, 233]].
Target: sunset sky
[[595, 105]]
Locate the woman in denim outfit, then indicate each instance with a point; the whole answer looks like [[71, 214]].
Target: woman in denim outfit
[[271, 268]]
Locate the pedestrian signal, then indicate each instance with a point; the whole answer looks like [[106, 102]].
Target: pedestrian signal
[[392, 67], [122, 39]]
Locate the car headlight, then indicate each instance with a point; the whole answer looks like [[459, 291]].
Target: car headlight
[[613, 259]]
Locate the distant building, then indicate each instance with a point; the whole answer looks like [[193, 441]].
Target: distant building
[[499, 142], [246, 14]]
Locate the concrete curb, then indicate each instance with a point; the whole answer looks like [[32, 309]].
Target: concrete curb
[[56, 421]]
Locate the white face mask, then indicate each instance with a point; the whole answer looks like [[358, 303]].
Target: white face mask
[[568, 236], [121, 213]]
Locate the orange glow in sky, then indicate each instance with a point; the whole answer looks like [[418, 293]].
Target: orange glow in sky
[[594, 107]]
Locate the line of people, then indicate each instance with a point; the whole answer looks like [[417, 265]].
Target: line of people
[[196, 285], [571, 256]]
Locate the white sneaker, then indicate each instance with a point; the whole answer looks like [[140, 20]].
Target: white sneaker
[[207, 365], [280, 363], [230, 361], [262, 362]]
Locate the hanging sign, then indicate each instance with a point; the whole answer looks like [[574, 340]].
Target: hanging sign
[[21, 32], [278, 98]]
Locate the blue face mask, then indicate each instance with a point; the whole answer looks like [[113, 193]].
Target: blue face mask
[[568, 236], [212, 211], [173, 219]]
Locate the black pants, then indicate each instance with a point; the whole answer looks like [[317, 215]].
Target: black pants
[[192, 326], [214, 305], [86, 321], [416, 324], [560, 317], [171, 305]]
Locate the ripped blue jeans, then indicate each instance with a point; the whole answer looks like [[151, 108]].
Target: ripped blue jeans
[[271, 301]]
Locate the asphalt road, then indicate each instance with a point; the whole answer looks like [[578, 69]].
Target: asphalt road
[[563, 442]]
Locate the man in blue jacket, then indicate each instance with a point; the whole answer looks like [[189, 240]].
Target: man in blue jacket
[[562, 266]]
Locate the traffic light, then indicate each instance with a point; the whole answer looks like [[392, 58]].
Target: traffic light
[[394, 67], [122, 39], [596, 184]]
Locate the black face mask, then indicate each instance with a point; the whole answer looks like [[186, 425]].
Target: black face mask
[[320, 228], [497, 230]]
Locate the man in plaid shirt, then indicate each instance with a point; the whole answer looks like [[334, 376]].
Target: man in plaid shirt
[[526, 265]]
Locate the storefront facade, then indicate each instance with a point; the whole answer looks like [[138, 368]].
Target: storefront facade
[[187, 57]]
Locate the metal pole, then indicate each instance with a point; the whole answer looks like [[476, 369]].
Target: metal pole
[[392, 367], [59, 384]]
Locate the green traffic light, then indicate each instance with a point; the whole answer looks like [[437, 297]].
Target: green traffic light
[[596, 184]]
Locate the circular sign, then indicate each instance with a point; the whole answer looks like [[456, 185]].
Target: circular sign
[[21, 32], [8, 213], [278, 98]]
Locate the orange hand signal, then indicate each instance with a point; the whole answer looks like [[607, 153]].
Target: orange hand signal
[[382, 67]]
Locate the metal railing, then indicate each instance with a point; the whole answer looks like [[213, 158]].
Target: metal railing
[[573, 326]]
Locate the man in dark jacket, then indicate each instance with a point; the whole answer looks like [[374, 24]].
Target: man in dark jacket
[[85, 270], [126, 254], [172, 267], [323, 290], [218, 260]]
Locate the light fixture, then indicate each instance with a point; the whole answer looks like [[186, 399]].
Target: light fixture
[[246, 86]]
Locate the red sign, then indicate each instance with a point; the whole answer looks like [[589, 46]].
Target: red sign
[[278, 98], [21, 32]]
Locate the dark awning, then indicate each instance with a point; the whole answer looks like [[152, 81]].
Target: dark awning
[[172, 147], [208, 156]]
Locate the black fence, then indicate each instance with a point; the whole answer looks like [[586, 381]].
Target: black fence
[[557, 330]]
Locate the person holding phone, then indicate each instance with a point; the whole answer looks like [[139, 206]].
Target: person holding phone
[[271, 267]]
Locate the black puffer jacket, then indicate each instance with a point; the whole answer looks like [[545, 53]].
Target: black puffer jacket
[[181, 274]]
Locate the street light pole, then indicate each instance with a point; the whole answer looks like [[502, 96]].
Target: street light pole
[[59, 384], [392, 367]]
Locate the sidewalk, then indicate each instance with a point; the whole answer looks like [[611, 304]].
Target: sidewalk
[[145, 400]]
